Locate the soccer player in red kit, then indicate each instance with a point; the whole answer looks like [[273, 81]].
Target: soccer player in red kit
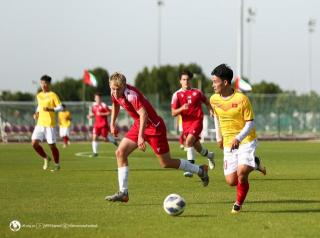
[[147, 127], [100, 112], [187, 102]]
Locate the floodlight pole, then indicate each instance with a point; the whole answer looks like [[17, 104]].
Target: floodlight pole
[[160, 3], [240, 42], [311, 28], [250, 19]]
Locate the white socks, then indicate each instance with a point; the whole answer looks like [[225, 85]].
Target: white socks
[[191, 154], [95, 147], [123, 173], [187, 166]]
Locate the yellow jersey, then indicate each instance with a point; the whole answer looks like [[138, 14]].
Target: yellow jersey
[[233, 113], [64, 119], [50, 100]]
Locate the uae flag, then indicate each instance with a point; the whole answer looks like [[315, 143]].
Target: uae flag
[[89, 79], [242, 85]]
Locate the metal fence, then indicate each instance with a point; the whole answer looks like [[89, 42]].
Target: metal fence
[[282, 116]]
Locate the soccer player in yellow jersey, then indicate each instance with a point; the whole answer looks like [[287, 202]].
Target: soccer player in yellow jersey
[[64, 125], [48, 104], [236, 133]]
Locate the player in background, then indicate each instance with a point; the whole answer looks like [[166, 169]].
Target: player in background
[[147, 127], [100, 111], [187, 102], [64, 118], [48, 104], [236, 133]]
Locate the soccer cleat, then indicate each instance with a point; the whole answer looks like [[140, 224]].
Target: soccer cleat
[[188, 174], [56, 168], [46, 163], [211, 163], [115, 143], [94, 155], [118, 197], [235, 208], [259, 166], [203, 174]]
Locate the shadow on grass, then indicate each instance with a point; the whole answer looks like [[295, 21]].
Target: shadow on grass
[[197, 216], [285, 201], [115, 170], [285, 179], [287, 211]]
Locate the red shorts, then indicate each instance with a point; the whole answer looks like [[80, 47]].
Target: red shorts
[[103, 131], [155, 136], [193, 127]]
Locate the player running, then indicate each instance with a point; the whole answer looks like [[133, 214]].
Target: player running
[[147, 127], [48, 104], [64, 125], [187, 102], [236, 133], [100, 111]]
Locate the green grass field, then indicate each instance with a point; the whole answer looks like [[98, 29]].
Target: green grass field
[[285, 203]]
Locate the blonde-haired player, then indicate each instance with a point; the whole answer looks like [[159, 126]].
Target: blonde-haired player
[[148, 127], [48, 104], [236, 133], [64, 118]]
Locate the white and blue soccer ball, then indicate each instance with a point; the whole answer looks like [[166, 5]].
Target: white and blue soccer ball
[[174, 204]]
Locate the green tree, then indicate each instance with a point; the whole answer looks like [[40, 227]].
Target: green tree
[[164, 81], [70, 89], [266, 88], [16, 96]]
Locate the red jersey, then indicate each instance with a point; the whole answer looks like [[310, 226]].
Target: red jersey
[[100, 121], [194, 97], [132, 101]]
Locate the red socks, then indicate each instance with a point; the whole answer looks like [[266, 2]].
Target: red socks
[[65, 139], [242, 190], [55, 154], [40, 151]]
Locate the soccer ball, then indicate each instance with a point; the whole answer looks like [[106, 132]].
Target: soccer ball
[[174, 204]]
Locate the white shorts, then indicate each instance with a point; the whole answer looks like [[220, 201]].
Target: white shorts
[[64, 131], [244, 155], [41, 132]]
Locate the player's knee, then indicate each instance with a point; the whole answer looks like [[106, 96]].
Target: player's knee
[[231, 181], [34, 144], [242, 178], [119, 153]]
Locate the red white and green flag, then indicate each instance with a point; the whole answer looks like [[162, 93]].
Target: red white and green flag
[[89, 79], [242, 85]]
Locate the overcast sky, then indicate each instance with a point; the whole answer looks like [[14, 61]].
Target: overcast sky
[[63, 37]]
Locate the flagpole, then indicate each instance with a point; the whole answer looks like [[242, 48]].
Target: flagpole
[[83, 92], [84, 100]]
